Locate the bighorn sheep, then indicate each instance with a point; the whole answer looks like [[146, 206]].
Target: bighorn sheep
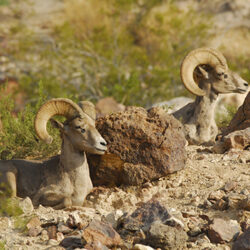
[[205, 73], [63, 180]]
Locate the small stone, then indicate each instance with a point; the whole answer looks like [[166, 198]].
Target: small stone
[[194, 231], [34, 227], [34, 231], [33, 222], [5, 222], [221, 205], [245, 225], [26, 205], [174, 222], [113, 217], [61, 227], [108, 105], [74, 221], [235, 200], [187, 214], [59, 236], [102, 232], [71, 242], [242, 159], [221, 231], [163, 236], [96, 245], [147, 185], [191, 245], [245, 204], [243, 241], [245, 191], [200, 157], [52, 230], [44, 235], [142, 247], [52, 242], [230, 185], [58, 248], [202, 239], [216, 195]]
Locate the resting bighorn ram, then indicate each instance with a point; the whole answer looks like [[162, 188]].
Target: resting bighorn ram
[[63, 180], [205, 73]]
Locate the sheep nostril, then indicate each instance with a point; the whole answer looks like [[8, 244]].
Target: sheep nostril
[[103, 143], [245, 84]]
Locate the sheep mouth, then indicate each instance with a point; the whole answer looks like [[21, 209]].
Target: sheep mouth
[[101, 150], [241, 91]]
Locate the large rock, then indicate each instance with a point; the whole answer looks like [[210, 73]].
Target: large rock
[[237, 134], [166, 237], [221, 231], [239, 139], [108, 105], [243, 241], [241, 120], [98, 231], [153, 225], [142, 146]]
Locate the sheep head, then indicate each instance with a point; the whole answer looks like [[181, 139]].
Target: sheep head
[[79, 127], [206, 65]]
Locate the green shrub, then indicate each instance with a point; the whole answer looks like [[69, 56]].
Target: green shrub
[[18, 138], [223, 120], [4, 2], [9, 207], [130, 50], [2, 245]]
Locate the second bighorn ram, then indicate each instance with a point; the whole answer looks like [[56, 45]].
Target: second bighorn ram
[[63, 180], [205, 73]]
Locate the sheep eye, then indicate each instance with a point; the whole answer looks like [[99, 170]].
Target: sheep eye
[[225, 76], [220, 74], [83, 130], [77, 127]]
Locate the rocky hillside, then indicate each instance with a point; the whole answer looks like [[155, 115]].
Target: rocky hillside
[[231, 20], [204, 206]]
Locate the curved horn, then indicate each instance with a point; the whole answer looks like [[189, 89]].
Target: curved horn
[[197, 57], [56, 106], [88, 108]]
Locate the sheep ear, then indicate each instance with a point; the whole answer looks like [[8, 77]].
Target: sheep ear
[[203, 72], [56, 124], [88, 108]]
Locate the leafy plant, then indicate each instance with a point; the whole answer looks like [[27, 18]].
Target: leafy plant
[[18, 138], [9, 207], [223, 120], [2, 245], [4, 2], [130, 50]]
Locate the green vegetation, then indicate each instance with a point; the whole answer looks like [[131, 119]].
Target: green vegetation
[[223, 120], [130, 50], [9, 207], [20, 223], [2, 244], [240, 65], [18, 138], [3, 2]]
